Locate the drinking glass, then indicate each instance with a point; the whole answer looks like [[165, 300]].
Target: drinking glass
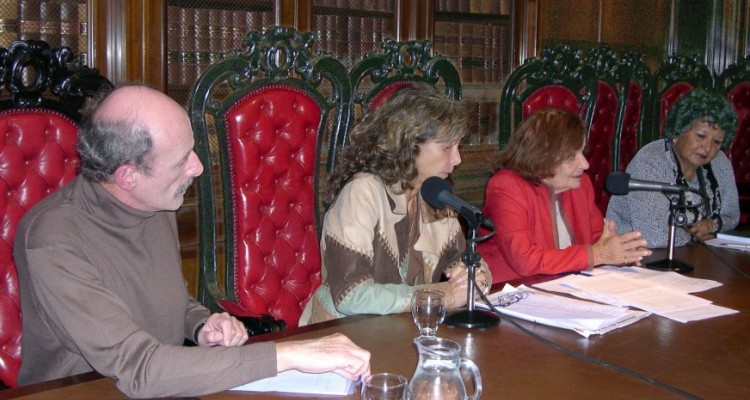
[[428, 307], [384, 386]]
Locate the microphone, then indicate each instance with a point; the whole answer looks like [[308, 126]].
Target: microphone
[[619, 183], [438, 193]]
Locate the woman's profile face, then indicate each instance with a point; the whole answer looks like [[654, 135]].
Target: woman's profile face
[[699, 145], [569, 172], [436, 159]]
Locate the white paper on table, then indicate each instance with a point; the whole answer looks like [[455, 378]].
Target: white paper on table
[[583, 317], [668, 279], [729, 244], [661, 293], [294, 381], [697, 313]]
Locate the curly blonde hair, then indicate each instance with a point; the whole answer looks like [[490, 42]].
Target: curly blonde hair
[[386, 142]]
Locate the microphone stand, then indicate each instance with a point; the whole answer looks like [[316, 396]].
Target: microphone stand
[[472, 317], [676, 218]]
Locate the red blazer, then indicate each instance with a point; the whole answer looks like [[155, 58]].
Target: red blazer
[[526, 239]]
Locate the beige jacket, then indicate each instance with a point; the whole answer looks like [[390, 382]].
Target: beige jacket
[[368, 267]]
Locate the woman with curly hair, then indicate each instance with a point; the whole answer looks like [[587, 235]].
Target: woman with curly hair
[[380, 239], [698, 126]]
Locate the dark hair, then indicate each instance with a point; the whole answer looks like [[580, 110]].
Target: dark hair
[[540, 145], [701, 105], [106, 143], [386, 142]]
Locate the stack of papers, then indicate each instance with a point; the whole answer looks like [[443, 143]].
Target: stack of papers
[[737, 240], [293, 381], [584, 317], [663, 293]]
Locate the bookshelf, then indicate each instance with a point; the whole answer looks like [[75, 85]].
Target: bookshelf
[[351, 29], [477, 36], [58, 22], [200, 33]]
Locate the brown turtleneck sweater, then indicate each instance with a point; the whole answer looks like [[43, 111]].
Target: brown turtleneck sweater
[[102, 288]]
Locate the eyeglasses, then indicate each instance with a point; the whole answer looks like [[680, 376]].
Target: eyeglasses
[[510, 298]]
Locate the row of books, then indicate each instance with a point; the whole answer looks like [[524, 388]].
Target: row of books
[[478, 50], [475, 6], [365, 5], [351, 37], [199, 37], [483, 123], [58, 22]]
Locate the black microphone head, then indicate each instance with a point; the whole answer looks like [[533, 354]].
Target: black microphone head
[[617, 183], [431, 189]]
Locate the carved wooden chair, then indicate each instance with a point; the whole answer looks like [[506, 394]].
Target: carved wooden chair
[[672, 80], [560, 78], [637, 98], [267, 125], [378, 74], [608, 111], [734, 82], [41, 93]]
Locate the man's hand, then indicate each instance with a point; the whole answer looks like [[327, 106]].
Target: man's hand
[[334, 353], [222, 330]]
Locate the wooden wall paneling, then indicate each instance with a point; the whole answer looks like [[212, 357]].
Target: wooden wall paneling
[[294, 13], [525, 31], [571, 22], [414, 19], [640, 25], [129, 40]]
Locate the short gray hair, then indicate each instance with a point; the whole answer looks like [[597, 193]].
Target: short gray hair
[[104, 145]]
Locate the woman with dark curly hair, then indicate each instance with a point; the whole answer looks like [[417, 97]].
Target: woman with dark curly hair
[[544, 199], [698, 127], [381, 240]]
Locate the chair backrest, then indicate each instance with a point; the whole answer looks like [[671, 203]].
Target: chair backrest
[[609, 109], [41, 93], [638, 79], [378, 74], [675, 78], [267, 125], [560, 78], [734, 82]]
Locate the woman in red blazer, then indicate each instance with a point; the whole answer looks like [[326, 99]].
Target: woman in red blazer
[[542, 203]]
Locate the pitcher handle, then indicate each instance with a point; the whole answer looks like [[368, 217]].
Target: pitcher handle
[[476, 376]]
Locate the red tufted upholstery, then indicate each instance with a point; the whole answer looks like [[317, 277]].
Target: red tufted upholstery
[[560, 78], [667, 100], [599, 145], [631, 124], [735, 83], [272, 145], [552, 96], [378, 74], [37, 156], [385, 93], [672, 80], [739, 151], [267, 126], [38, 135]]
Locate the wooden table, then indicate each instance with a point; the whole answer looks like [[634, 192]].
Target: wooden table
[[703, 359]]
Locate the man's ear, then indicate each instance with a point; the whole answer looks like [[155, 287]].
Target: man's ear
[[126, 177]]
